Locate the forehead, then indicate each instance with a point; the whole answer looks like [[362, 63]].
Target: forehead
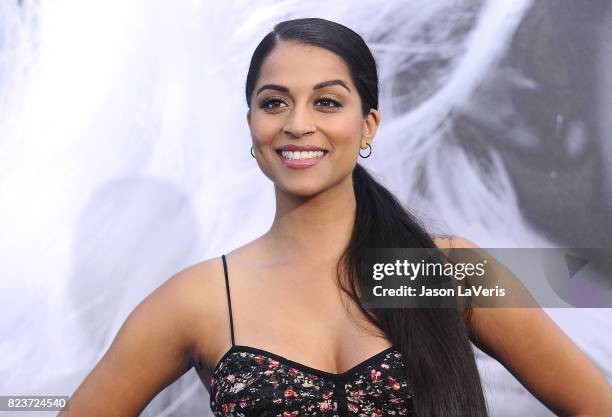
[[292, 63]]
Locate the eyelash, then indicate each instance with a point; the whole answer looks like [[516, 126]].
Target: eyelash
[[336, 103]]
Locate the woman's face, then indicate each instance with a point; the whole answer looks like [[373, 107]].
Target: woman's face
[[289, 107]]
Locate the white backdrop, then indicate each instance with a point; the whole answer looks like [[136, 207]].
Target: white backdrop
[[124, 155]]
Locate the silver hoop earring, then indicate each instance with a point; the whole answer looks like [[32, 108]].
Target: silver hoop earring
[[252, 154], [368, 154]]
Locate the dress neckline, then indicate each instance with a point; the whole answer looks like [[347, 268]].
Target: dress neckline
[[308, 369]]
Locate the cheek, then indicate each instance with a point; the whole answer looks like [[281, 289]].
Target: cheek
[[343, 132], [264, 130]]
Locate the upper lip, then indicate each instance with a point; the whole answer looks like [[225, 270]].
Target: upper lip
[[299, 148]]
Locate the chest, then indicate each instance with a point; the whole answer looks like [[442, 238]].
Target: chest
[[312, 325], [323, 341]]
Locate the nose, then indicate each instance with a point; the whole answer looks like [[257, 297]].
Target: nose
[[299, 123]]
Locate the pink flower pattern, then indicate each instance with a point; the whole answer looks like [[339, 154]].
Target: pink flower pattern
[[247, 382]]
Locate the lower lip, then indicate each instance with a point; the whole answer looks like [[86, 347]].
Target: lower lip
[[300, 163]]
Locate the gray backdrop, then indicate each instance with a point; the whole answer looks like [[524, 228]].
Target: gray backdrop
[[124, 155]]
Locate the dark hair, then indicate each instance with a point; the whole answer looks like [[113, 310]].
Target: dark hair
[[439, 361]]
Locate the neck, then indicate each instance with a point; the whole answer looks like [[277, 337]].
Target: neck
[[317, 227]]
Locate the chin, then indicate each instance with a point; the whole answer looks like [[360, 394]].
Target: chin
[[302, 190]]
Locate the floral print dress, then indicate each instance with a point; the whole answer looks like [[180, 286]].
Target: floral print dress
[[252, 382]]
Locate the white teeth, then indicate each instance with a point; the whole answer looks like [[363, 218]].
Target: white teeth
[[302, 155]]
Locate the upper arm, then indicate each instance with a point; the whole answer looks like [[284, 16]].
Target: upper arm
[[153, 348], [544, 359], [540, 355], [449, 242]]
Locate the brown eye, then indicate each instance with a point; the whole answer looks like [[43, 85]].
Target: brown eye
[[331, 102], [270, 103]]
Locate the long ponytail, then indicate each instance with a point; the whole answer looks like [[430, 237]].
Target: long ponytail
[[439, 361]]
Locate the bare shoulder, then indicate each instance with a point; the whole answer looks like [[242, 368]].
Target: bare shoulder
[[538, 353], [195, 281], [458, 242], [192, 293], [200, 290], [453, 241], [154, 346]]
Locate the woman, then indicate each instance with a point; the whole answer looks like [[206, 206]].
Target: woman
[[276, 336]]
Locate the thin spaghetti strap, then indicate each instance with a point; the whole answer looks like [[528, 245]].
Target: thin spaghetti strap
[[229, 299]]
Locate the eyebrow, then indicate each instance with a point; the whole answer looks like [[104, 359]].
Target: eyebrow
[[284, 89]]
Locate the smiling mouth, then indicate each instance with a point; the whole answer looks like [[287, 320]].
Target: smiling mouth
[[301, 155]]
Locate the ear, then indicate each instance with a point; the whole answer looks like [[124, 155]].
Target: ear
[[248, 116], [370, 126]]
